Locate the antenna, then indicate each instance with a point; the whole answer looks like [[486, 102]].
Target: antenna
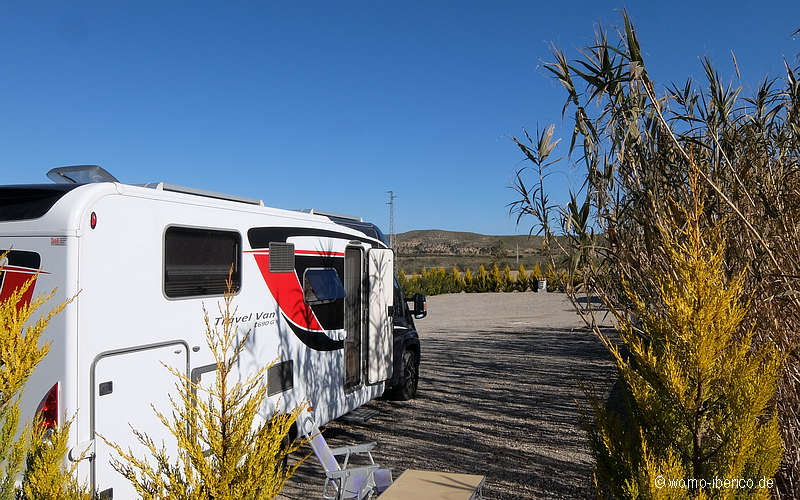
[[392, 196]]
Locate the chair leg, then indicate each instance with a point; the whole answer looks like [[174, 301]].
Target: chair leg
[[340, 489], [338, 485], [325, 487]]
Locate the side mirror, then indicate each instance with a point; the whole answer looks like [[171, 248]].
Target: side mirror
[[420, 306]]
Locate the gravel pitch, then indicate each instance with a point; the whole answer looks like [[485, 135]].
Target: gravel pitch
[[498, 396]]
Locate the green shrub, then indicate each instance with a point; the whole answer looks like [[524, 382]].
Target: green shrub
[[32, 458], [436, 281], [443, 281], [482, 280], [536, 274], [639, 141], [420, 282], [469, 281], [404, 283], [495, 279], [509, 285], [226, 450], [522, 282], [457, 283], [556, 279], [700, 394]]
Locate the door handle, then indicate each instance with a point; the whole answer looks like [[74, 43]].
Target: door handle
[[82, 451]]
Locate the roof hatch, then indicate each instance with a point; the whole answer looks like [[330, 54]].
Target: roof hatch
[[80, 174]]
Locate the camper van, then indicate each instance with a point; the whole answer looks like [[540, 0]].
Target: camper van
[[317, 290]]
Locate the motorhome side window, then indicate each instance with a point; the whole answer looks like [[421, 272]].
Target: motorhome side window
[[197, 261], [322, 286]]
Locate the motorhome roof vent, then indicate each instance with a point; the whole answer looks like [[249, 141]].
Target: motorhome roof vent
[[80, 174], [163, 186], [314, 211]]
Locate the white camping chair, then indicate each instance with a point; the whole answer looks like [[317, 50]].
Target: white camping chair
[[355, 482]]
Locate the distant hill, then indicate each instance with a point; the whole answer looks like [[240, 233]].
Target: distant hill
[[437, 248], [438, 242]]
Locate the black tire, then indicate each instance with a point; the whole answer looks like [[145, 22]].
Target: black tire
[[287, 441], [407, 388]]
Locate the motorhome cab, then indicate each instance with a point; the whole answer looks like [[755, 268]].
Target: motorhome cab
[[141, 260]]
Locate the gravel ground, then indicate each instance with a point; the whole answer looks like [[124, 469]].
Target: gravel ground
[[498, 396]]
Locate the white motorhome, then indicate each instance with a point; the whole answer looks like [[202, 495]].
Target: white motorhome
[[142, 260]]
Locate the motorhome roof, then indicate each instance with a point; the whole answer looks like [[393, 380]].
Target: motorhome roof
[[73, 175], [65, 204], [314, 211], [19, 203], [163, 186]]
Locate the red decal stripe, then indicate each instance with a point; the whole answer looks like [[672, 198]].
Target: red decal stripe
[[317, 252], [288, 293], [324, 253], [12, 280]]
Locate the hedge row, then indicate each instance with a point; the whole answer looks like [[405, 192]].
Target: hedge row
[[438, 280]]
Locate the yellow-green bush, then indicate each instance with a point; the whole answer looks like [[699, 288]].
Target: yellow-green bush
[[495, 279], [438, 280], [637, 141], [225, 451], [31, 458], [457, 281], [523, 280], [699, 393], [469, 281], [403, 281], [508, 280], [556, 279], [536, 273], [482, 280]]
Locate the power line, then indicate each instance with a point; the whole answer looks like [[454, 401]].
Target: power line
[[392, 196]]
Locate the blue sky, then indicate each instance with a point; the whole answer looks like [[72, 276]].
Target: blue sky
[[331, 104]]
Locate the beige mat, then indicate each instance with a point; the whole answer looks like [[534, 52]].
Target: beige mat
[[432, 485]]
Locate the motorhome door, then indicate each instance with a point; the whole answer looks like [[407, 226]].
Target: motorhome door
[[381, 296], [353, 315], [127, 385]]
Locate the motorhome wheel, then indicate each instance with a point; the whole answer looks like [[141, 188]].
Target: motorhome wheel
[[407, 389]]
